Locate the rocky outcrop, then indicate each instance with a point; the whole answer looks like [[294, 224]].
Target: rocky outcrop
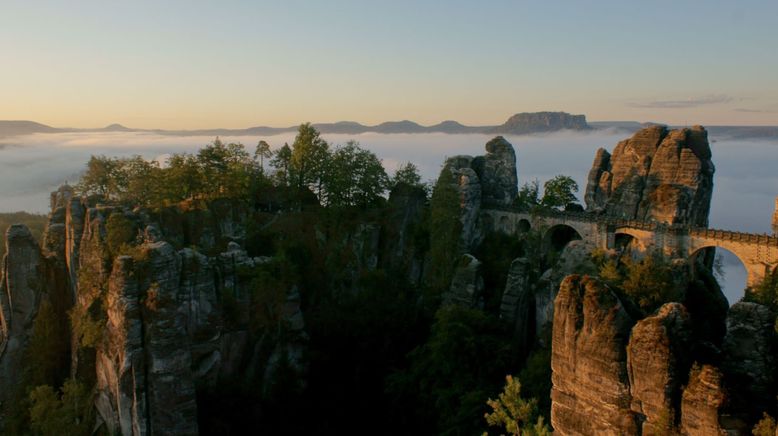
[[703, 400], [775, 218], [20, 295], [121, 365], [467, 285], [517, 300], [536, 122], [658, 364], [590, 393], [467, 185], [484, 180], [406, 216], [497, 173], [749, 362], [657, 174]]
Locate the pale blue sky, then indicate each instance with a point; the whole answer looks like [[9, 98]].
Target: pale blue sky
[[189, 64]]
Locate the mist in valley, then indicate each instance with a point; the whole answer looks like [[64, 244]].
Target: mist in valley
[[746, 182]]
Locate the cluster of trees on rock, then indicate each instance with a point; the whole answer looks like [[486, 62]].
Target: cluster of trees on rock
[[558, 194], [340, 176]]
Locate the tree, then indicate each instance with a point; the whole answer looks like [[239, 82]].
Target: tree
[[354, 177], [99, 177], [529, 196], [514, 413], [182, 177], [308, 163], [407, 174], [261, 153], [72, 410], [225, 168], [282, 159], [559, 192]]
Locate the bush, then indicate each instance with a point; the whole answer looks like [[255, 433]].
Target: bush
[[71, 410]]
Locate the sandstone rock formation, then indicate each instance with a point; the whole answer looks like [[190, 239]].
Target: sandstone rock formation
[[535, 122], [590, 393], [20, 295], [657, 174], [484, 180], [467, 284], [516, 301], [703, 399], [497, 173], [658, 363]]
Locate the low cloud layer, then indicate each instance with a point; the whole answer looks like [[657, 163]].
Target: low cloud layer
[[683, 104], [745, 182]]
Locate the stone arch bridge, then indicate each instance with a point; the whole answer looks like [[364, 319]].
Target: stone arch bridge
[[758, 253]]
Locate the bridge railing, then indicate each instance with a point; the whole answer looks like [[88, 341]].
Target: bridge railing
[[727, 235]]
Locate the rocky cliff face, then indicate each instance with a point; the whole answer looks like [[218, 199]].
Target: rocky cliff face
[[775, 218], [612, 375], [20, 295], [536, 122], [657, 174], [590, 393]]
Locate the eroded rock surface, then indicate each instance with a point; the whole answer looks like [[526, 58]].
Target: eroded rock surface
[[703, 399], [590, 393], [658, 364], [467, 284], [656, 174]]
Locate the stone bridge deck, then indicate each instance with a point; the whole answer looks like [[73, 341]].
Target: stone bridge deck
[[758, 253]]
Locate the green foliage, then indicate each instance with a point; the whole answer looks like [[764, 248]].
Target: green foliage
[[282, 160], [559, 192], [529, 196], [518, 416], [70, 411], [407, 174], [355, 177], [462, 363], [765, 427], [261, 153], [47, 354], [445, 228], [309, 160], [648, 281], [120, 232]]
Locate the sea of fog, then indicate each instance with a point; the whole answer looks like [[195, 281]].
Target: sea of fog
[[746, 182]]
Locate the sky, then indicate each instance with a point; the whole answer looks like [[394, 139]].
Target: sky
[[200, 64]]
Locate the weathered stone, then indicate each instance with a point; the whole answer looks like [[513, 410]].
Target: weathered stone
[[657, 174], [120, 364], [467, 284], [516, 301], [749, 356], [166, 345], [406, 214], [468, 188], [499, 182], [702, 402], [590, 393], [20, 295], [658, 363]]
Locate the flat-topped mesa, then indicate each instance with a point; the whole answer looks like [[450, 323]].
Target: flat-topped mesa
[[656, 175]]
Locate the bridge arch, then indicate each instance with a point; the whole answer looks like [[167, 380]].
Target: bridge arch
[[523, 226], [558, 236], [729, 268]]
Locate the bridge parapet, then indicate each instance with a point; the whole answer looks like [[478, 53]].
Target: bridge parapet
[[728, 235]]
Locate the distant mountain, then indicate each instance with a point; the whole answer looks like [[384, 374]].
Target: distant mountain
[[13, 128], [537, 122], [520, 124]]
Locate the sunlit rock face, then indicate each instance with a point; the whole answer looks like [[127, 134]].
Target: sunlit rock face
[[775, 218], [657, 174], [590, 393]]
